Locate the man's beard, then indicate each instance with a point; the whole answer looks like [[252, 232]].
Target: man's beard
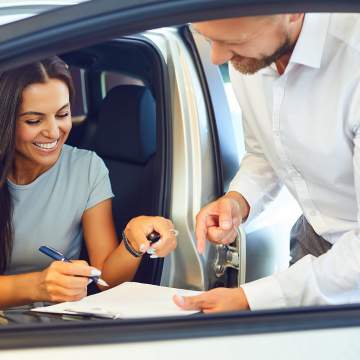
[[249, 66]]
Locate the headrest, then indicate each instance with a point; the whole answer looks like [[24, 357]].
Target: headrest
[[127, 124]]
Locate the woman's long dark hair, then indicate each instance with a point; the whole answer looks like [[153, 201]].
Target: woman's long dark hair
[[12, 84]]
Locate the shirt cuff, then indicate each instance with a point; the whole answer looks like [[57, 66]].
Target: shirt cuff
[[264, 293], [251, 193]]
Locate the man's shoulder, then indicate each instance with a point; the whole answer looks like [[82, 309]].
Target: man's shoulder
[[346, 28]]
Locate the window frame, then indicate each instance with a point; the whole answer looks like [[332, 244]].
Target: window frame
[[61, 30]]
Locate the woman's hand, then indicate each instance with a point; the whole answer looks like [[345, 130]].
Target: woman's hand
[[140, 227], [63, 281]]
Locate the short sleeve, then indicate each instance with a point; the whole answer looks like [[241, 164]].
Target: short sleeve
[[99, 182]]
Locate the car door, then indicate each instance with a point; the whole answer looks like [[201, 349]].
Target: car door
[[97, 21]]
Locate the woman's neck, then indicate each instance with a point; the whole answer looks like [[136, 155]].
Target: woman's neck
[[23, 173]]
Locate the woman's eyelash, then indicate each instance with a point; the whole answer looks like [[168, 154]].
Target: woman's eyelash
[[63, 115], [32, 122]]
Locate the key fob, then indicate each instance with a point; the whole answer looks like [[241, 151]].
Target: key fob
[[153, 237]]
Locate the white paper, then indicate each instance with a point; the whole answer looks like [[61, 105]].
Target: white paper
[[128, 300]]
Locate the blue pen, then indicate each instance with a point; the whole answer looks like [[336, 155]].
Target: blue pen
[[57, 255]]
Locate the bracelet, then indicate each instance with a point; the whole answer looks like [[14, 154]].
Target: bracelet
[[130, 248]]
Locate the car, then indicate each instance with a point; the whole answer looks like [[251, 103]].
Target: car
[[119, 53]]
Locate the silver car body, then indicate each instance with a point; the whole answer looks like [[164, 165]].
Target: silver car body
[[261, 247]]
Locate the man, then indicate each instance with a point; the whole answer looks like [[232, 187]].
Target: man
[[296, 77]]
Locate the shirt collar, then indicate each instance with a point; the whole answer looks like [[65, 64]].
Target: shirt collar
[[309, 47]]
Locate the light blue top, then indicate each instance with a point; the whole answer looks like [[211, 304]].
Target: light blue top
[[48, 211]]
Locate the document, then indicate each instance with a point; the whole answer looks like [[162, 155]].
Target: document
[[125, 301]]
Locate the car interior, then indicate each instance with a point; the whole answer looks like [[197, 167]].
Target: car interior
[[119, 113]]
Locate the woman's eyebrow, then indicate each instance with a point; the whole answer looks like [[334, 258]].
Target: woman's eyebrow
[[30, 113], [39, 113]]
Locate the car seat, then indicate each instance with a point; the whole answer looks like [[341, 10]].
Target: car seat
[[125, 137]]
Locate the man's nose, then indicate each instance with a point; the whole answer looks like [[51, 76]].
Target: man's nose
[[51, 129], [220, 54]]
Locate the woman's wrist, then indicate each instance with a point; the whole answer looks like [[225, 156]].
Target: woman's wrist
[[33, 292], [129, 246], [19, 290]]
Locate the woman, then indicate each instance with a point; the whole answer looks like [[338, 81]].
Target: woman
[[53, 194]]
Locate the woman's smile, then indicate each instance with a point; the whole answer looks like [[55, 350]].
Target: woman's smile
[[47, 146]]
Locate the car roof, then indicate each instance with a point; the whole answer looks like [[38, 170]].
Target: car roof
[[90, 22], [11, 11]]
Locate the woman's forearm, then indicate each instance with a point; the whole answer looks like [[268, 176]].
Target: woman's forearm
[[120, 266], [17, 290]]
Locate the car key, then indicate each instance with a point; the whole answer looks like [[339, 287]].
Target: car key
[[153, 237]]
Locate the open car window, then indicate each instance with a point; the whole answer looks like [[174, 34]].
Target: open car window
[[129, 48]]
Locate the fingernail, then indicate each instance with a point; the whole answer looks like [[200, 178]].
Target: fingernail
[[156, 245], [151, 251], [174, 232], [180, 300], [226, 225], [154, 256], [95, 272], [142, 248]]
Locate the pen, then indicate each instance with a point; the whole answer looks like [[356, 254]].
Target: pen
[[57, 255]]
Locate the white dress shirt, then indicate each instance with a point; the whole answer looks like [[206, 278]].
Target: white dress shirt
[[302, 130]]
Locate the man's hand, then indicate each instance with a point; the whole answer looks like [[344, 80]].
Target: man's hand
[[215, 300], [219, 220]]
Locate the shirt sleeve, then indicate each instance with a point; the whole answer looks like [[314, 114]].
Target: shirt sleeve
[[99, 182], [256, 180], [330, 279]]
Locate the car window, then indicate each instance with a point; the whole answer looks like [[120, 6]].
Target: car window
[[234, 108], [188, 173]]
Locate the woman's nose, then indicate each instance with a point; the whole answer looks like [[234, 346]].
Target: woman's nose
[[51, 129]]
